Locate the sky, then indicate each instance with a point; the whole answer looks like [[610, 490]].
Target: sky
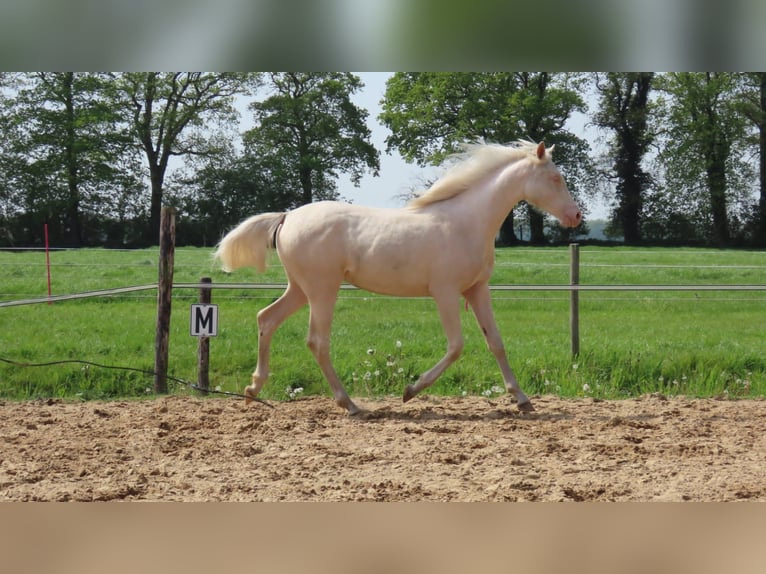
[[397, 177]]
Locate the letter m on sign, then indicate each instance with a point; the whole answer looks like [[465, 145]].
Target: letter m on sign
[[204, 320]]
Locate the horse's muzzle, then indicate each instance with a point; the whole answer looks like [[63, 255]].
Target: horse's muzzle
[[572, 218]]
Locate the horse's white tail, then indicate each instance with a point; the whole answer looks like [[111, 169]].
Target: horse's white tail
[[247, 244]]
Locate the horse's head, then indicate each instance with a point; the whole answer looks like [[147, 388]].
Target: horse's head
[[546, 189]]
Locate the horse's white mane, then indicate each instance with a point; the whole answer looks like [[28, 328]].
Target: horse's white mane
[[475, 162]]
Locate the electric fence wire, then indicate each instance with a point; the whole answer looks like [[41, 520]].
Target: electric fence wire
[[147, 372]]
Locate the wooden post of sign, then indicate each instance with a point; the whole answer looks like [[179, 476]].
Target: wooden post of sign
[[164, 296], [203, 345], [574, 298]]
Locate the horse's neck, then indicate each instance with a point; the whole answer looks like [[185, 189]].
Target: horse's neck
[[496, 196], [480, 212]]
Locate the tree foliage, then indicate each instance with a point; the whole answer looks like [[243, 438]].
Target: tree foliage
[[307, 132], [169, 114], [752, 105], [66, 158], [707, 175], [95, 155]]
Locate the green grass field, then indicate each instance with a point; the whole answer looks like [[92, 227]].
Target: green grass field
[[704, 343]]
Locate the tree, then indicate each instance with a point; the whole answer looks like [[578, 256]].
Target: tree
[[431, 113], [172, 114], [66, 159], [753, 106], [703, 127], [624, 109], [307, 132]]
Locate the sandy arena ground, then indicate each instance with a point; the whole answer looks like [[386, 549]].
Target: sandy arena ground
[[432, 448]]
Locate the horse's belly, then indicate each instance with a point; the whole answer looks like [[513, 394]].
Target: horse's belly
[[408, 274], [388, 282]]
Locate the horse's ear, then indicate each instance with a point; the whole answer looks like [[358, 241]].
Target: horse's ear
[[550, 149], [541, 150]]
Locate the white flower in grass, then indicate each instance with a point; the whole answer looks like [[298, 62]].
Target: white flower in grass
[[370, 351], [586, 388], [398, 344]]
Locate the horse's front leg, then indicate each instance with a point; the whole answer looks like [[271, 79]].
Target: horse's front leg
[[449, 312], [479, 298]]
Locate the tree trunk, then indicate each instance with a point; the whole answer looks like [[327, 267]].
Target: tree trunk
[[632, 179], [538, 84], [716, 178], [760, 238], [156, 175], [507, 234], [73, 195], [715, 150], [307, 195], [536, 226], [629, 191], [626, 97]]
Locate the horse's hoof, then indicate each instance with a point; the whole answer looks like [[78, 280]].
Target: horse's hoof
[[409, 392], [526, 407], [348, 404], [249, 395]]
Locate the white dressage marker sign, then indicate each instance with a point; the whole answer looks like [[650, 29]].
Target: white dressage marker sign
[[204, 320]]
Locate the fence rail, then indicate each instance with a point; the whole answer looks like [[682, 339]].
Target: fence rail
[[282, 286], [83, 295]]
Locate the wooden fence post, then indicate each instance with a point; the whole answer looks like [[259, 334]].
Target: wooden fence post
[[574, 297], [164, 296], [203, 345]]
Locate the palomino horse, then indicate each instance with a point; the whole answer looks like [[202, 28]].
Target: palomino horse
[[440, 245]]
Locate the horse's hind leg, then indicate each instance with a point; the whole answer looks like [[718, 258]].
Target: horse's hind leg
[[479, 299], [269, 319], [320, 323]]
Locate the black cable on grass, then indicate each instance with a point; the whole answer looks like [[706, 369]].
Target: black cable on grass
[[135, 370]]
